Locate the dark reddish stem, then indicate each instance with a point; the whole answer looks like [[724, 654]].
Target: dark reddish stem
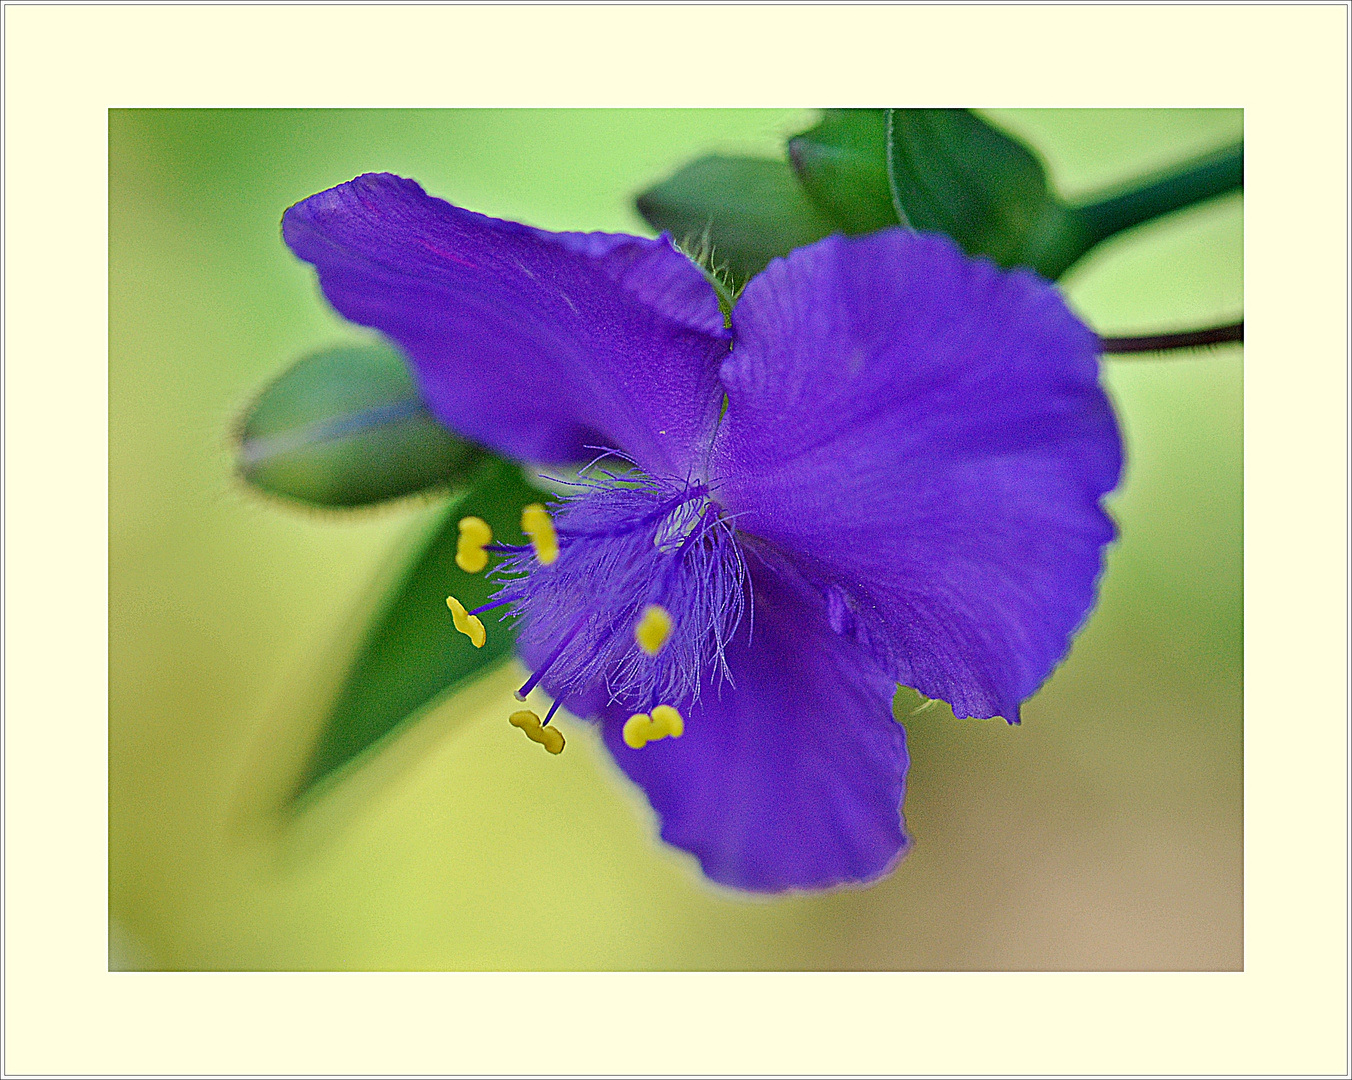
[[1190, 339]]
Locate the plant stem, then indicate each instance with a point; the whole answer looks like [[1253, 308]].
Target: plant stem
[[1191, 339], [1196, 181]]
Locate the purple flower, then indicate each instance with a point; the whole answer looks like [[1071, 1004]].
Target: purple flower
[[903, 486]]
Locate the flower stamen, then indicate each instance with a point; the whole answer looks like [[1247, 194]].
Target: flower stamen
[[668, 717], [536, 524], [551, 738], [647, 588], [642, 728], [466, 621], [653, 629], [539, 673], [475, 535]]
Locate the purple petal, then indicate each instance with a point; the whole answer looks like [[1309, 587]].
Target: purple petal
[[792, 777], [537, 344], [925, 435]]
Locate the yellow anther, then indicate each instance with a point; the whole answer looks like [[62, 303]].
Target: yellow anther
[[636, 730], [653, 629], [641, 729], [671, 722], [551, 738], [535, 523], [470, 555], [467, 624]]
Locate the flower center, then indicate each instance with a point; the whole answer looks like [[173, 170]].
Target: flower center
[[627, 596]]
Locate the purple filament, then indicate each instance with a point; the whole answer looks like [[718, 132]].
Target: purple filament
[[539, 674], [580, 611]]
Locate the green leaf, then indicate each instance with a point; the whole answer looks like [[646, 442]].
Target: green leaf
[[842, 164], [952, 172], [739, 213], [412, 654], [346, 427]]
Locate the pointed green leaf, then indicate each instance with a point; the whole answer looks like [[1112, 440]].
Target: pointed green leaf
[[842, 164], [953, 172], [346, 427], [412, 654], [742, 211]]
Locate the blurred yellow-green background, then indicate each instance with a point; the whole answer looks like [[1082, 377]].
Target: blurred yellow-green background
[[1105, 833]]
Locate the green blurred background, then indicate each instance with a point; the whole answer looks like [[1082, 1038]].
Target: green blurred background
[[1105, 833]]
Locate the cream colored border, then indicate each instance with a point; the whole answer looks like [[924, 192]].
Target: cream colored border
[[66, 65]]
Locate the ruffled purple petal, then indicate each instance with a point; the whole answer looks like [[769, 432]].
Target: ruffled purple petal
[[925, 435], [793, 776], [538, 344]]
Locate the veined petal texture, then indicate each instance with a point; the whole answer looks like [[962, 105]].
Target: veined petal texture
[[924, 434], [791, 773], [540, 345]]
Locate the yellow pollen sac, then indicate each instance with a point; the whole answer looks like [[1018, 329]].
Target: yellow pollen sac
[[470, 555], [641, 729], [636, 730], [671, 722], [535, 523], [467, 624], [653, 629], [551, 738]]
